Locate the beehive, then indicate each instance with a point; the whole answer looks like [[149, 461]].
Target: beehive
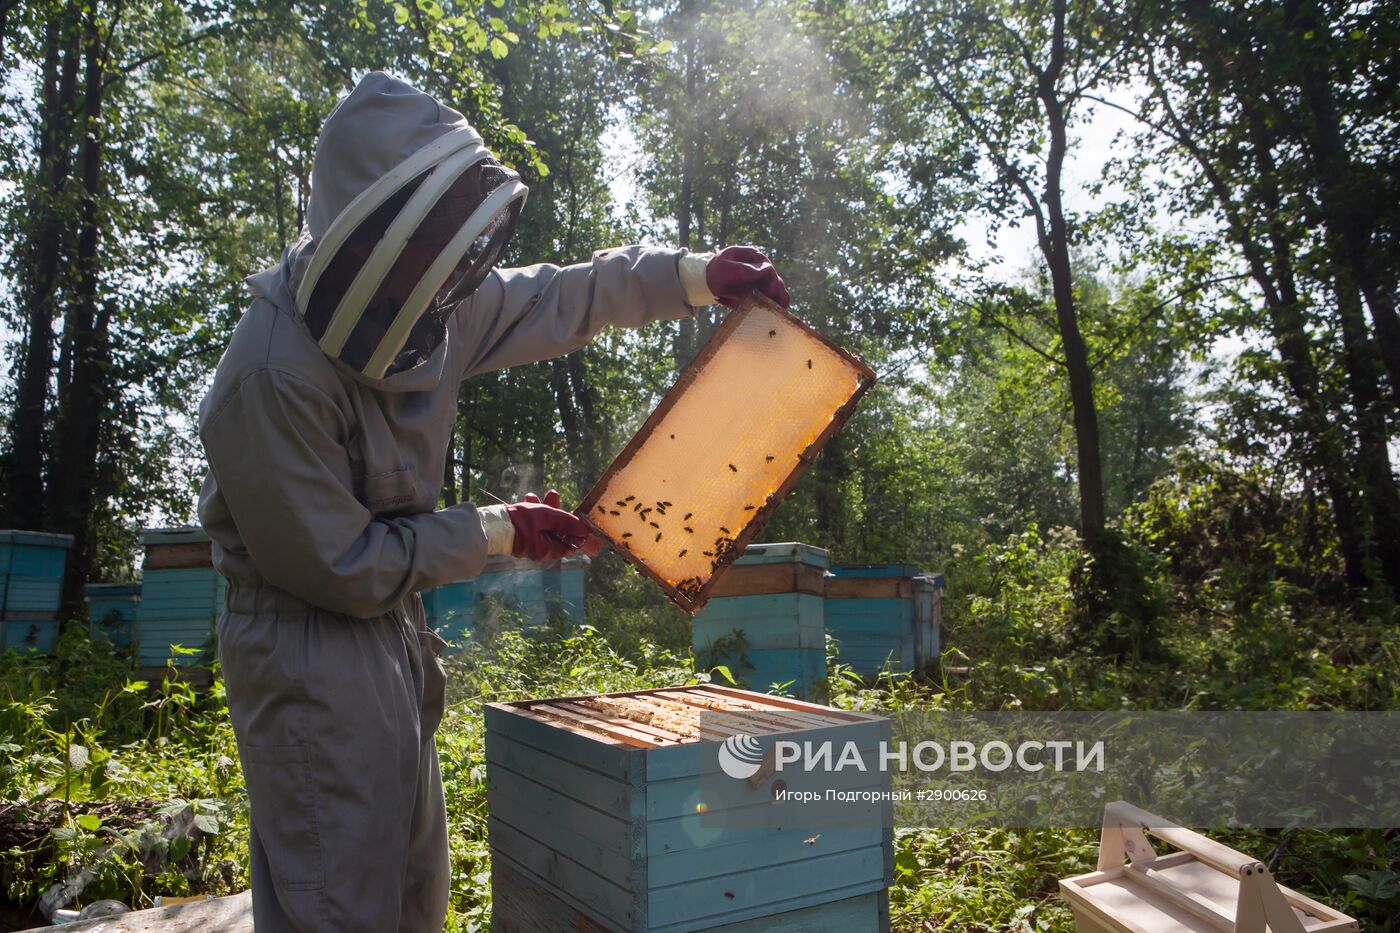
[[32, 565], [928, 620], [1205, 886], [882, 615], [112, 610], [765, 619], [526, 592], [182, 595], [597, 820], [726, 443]]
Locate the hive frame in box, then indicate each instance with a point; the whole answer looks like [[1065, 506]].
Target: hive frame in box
[[1261, 904], [692, 601]]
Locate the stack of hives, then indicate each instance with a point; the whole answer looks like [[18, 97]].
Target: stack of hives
[[766, 621], [884, 617], [611, 813], [32, 564], [112, 611], [509, 591], [182, 596]]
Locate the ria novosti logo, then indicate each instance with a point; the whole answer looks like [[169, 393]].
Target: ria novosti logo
[[740, 756]]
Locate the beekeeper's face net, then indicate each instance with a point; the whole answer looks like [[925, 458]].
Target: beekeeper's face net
[[380, 302]]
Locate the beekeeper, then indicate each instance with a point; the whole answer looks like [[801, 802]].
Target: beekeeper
[[327, 429]]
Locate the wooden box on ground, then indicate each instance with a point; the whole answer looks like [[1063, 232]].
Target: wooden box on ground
[[597, 821], [883, 617], [765, 619], [32, 564], [112, 610], [1203, 886], [509, 591], [182, 595]]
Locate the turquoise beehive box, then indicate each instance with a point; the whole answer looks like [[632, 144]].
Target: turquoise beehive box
[[765, 622], [616, 812], [32, 565], [884, 617], [182, 595], [509, 591], [112, 611]]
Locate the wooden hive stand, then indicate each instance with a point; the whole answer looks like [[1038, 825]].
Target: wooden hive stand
[[601, 814], [765, 621], [1205, 886]]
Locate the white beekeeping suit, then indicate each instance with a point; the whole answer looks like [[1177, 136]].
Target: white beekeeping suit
[[326, 431]]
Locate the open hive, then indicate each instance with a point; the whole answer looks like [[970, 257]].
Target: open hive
[[611, 812], [726, 443]]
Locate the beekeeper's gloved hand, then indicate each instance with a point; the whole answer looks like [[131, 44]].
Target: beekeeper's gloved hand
[[533, 529], [727, 276]]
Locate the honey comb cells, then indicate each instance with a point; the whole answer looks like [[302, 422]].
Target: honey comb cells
[[723, 447]]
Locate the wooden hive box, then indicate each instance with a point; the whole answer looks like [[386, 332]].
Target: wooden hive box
[[596, 820], [112, 610], [182, 595], [32, 564], [1203, 886], [928, 620], [531, 592], [872, 611], [765, 619]]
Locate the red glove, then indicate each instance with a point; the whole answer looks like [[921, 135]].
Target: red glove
[[544, 531], [735, 271]]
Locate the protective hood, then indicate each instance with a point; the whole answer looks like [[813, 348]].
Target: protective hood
[[408, 213]]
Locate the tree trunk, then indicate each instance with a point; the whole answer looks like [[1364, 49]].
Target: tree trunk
[[1349, 204], [1055, 247], [684, 347], [38, 273], [73, 476], [449, 476], [591, 425], [1377, 479]]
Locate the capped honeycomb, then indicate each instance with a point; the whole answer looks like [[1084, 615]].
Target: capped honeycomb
[[723, 447]]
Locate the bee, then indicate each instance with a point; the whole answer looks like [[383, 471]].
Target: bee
[[687, 516], [708, 553], [683, 552], [772, 333], [627, 534], [770, 458], [603, 508], [734, 468], [748, 508], [673, 437], [725, 530], [658, 536], [615, 512], [809, 364], [629, 498], [689, 530], [653, 524], [644, 512]]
